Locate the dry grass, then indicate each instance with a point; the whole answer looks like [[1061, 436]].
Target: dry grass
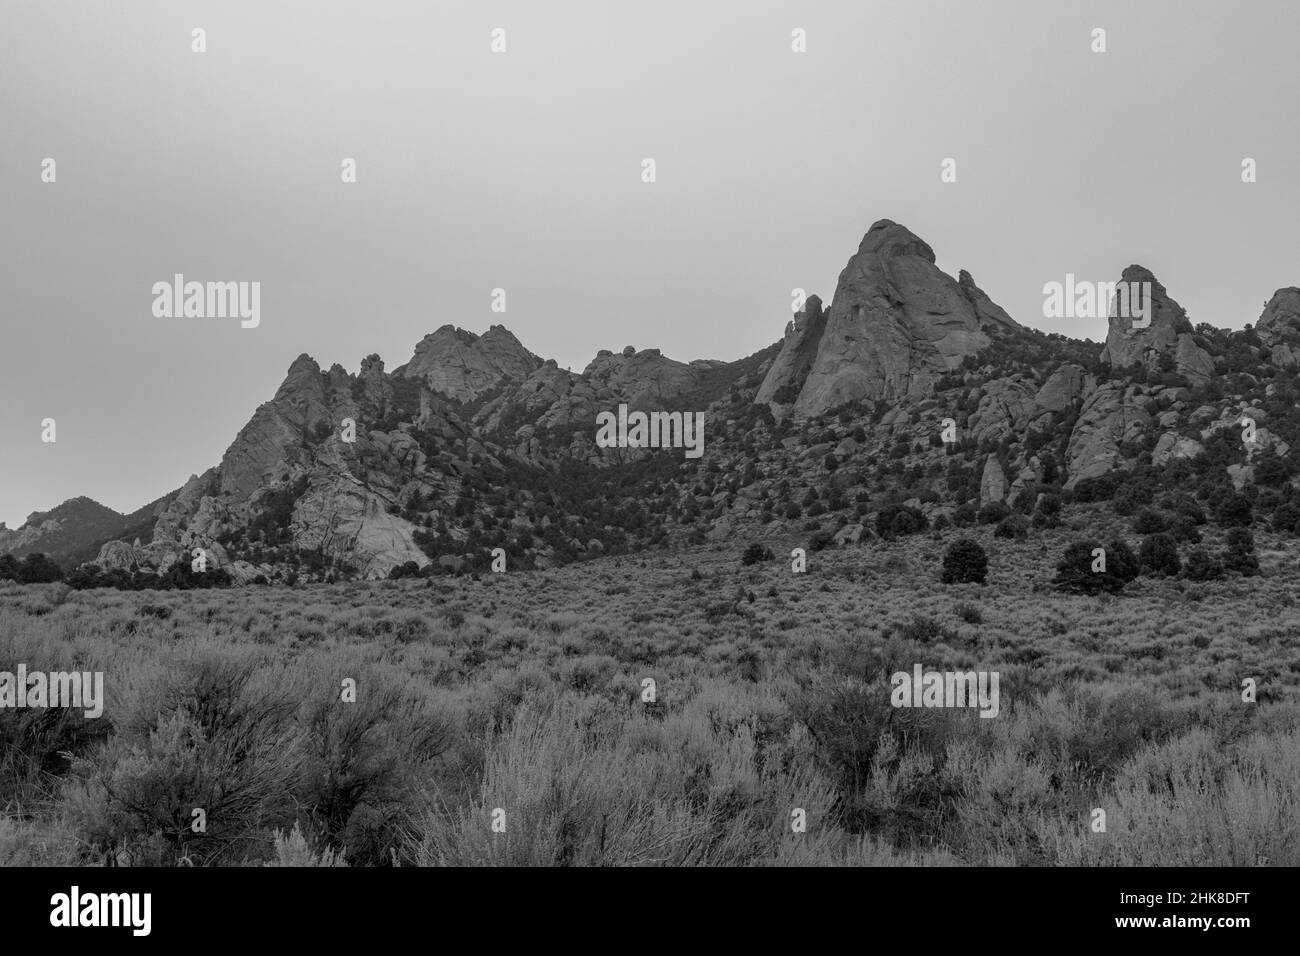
[[523, 692]]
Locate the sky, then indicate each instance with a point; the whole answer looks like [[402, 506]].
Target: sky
[[523, 170]]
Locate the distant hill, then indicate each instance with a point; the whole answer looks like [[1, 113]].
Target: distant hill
[[75, 531]]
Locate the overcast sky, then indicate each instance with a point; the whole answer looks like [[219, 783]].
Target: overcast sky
[[522, 171]]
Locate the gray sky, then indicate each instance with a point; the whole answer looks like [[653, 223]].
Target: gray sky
[[522, 171]]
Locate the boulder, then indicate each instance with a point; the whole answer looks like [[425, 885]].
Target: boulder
[[1062, 388], [1110, 416], [1004, 409], [849, 534], [993, 483], [1172, 445]]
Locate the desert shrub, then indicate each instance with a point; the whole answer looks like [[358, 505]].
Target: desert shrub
[[587, 785], [1121, 561], [1191, 801], [1012, 526], [85, 576], [1116, 567], [1184, 529], [36, 569], [925, 630], [408, 569], [820, 540], [38, 745], [589, 673], [217, 734], [1149, 521], [755, 553], [364, 762], [899, 520], [1159, 555], [1272, 470], [993, 512], [31, 843], [292, 849], [1101, 488], [965, 515], [1023, 503], [969, 613], [1286, 518], [1129, 498], [1239, 555], [1200, 566], [1088, 730], [1190, 508], [965, 562], [1234, 511]]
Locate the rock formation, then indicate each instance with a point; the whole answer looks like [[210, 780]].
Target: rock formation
[[895, 325], [462, 365], [1165, 330]]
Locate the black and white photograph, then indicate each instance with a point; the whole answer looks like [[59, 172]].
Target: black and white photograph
[[729, 434]]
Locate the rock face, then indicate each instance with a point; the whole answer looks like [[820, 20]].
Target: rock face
[[789, 371], [896, 324], [1281, 315], [462, 365], [1111, 415], [1004, 409], [993, 483], [258, 453], [341, 518], [1168, 332], [1192, 361], [1062, 388], [644, 380], [1130, 343], [1279, 327], [1172, 445]]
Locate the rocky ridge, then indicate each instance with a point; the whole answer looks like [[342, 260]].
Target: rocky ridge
[[475, 442]]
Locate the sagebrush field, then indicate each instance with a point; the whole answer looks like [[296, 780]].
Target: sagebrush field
[[523, 692]]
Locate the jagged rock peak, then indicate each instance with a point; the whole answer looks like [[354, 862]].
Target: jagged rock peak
[[303, 362], [1161, 328], [897, 322], [1281, 312], [462, 365], [888, 239], [303, 375]]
